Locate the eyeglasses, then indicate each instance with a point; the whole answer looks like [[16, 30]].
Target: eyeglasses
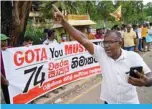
[[108, 43]]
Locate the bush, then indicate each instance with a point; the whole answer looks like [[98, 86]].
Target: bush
[[35, 33]]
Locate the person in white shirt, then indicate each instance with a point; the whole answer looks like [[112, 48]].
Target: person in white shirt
[[51, 40], [121, 31], [117, 86], [51, 37], [149, 37]]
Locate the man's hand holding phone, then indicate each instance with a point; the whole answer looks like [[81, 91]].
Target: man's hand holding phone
[[140, 79]]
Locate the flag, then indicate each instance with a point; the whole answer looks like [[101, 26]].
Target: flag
[[117, 14]]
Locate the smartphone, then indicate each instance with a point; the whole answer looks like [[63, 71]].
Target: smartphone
[[133, 70]]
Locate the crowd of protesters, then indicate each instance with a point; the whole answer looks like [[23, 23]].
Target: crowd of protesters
[[135, 38]]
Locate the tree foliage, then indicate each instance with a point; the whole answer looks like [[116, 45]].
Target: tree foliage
[[132, 11]]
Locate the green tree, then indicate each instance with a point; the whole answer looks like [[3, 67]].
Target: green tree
[[103, 10], [132, 11], [148, 11]]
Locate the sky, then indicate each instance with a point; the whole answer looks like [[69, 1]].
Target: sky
[[146, 1]]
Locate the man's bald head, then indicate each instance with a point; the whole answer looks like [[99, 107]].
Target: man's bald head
[[129, 25], [114, 34]]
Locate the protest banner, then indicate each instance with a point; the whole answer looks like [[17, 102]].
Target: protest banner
[[36, 70]]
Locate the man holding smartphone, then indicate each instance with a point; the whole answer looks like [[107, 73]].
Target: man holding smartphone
[[117, 86]]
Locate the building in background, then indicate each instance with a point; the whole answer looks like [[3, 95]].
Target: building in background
[[81, 22]]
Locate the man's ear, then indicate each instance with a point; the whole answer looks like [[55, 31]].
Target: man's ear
[[121, 42]]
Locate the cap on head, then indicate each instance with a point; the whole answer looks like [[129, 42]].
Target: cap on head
[[3, 37]]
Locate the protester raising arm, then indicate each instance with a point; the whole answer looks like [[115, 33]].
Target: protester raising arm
[[76, 34]]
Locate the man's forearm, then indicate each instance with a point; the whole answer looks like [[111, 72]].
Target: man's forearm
[[149, 83]]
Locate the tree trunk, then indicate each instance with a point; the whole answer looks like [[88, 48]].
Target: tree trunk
[[6, 17], [20, 15]]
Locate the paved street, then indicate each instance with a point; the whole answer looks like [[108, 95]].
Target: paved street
[[145, 94], [90, 94]]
